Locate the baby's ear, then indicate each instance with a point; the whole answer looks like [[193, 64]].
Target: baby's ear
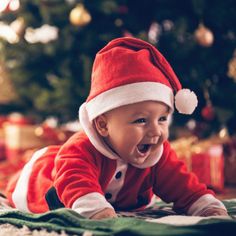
[[101, 125]]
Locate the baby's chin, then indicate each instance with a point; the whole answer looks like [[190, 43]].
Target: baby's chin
[[137, 161]]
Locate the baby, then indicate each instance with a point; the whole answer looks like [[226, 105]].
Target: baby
[[122, 159]]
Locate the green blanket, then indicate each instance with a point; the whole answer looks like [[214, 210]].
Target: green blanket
[[159, 220]]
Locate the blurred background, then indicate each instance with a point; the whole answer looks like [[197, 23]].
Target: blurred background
[[47, 48]]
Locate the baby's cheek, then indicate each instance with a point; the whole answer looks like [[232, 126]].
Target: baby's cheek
[[165, 134]]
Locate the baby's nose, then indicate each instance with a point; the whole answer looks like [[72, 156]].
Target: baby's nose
[[154, 131]]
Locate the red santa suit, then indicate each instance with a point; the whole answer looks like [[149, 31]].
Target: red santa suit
[[87, 181]]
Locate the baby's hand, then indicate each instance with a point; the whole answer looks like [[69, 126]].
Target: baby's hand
[[215, 212], [105, 213]]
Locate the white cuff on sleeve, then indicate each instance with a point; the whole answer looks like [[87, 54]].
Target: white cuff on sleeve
[[203, 203], [90, 204]]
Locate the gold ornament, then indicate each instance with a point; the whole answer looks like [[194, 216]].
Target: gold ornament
[[79, 16], [204, 36], [232, 67]]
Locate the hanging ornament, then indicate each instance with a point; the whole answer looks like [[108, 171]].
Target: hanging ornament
[[203, 36], [232, 67], [154, 33], [79, 16], [208, 112], [9, 5], [118, 22]]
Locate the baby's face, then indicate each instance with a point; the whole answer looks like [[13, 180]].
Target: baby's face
[[136, 131]]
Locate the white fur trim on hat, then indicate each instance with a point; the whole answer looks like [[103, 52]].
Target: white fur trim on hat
[[122, 95], [92, 134]]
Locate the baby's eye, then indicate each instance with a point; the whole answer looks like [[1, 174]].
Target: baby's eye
[[139, 121], [163, 118]]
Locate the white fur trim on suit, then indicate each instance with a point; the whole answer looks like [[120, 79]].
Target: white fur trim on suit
[[115, 184], [203, 203], [128, 94], [19, 196], [90, 204]]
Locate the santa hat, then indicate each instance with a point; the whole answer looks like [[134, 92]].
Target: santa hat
[[129, 70], [126, 71]]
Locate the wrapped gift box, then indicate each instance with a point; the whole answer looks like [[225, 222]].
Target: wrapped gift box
[[183, 148], [208, 165], [204, 158], [24, 137], [2, 140], [19, 138]]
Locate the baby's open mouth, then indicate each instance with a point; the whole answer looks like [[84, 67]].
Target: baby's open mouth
[[143, 148]]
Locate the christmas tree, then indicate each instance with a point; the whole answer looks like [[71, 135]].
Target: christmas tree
[[48, 46]]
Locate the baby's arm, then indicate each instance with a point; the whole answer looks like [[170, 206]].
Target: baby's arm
[[207, 205], [77, 180], [215, 212], [105, 213], [175, 184]]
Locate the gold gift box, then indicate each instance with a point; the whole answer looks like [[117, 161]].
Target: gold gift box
[[22, 136]]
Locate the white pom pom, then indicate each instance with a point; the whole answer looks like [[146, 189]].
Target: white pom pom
[[185, 101]]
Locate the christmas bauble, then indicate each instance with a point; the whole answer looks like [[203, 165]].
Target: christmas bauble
[[79, 16], [232, 67], [208, 112], [204, 36]]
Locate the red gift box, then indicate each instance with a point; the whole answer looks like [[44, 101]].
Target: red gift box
[[204, 158], [2, 141], [21, 136], [208, 165]]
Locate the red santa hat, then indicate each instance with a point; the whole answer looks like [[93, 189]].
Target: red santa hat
[[126, 71], [129, 70]]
